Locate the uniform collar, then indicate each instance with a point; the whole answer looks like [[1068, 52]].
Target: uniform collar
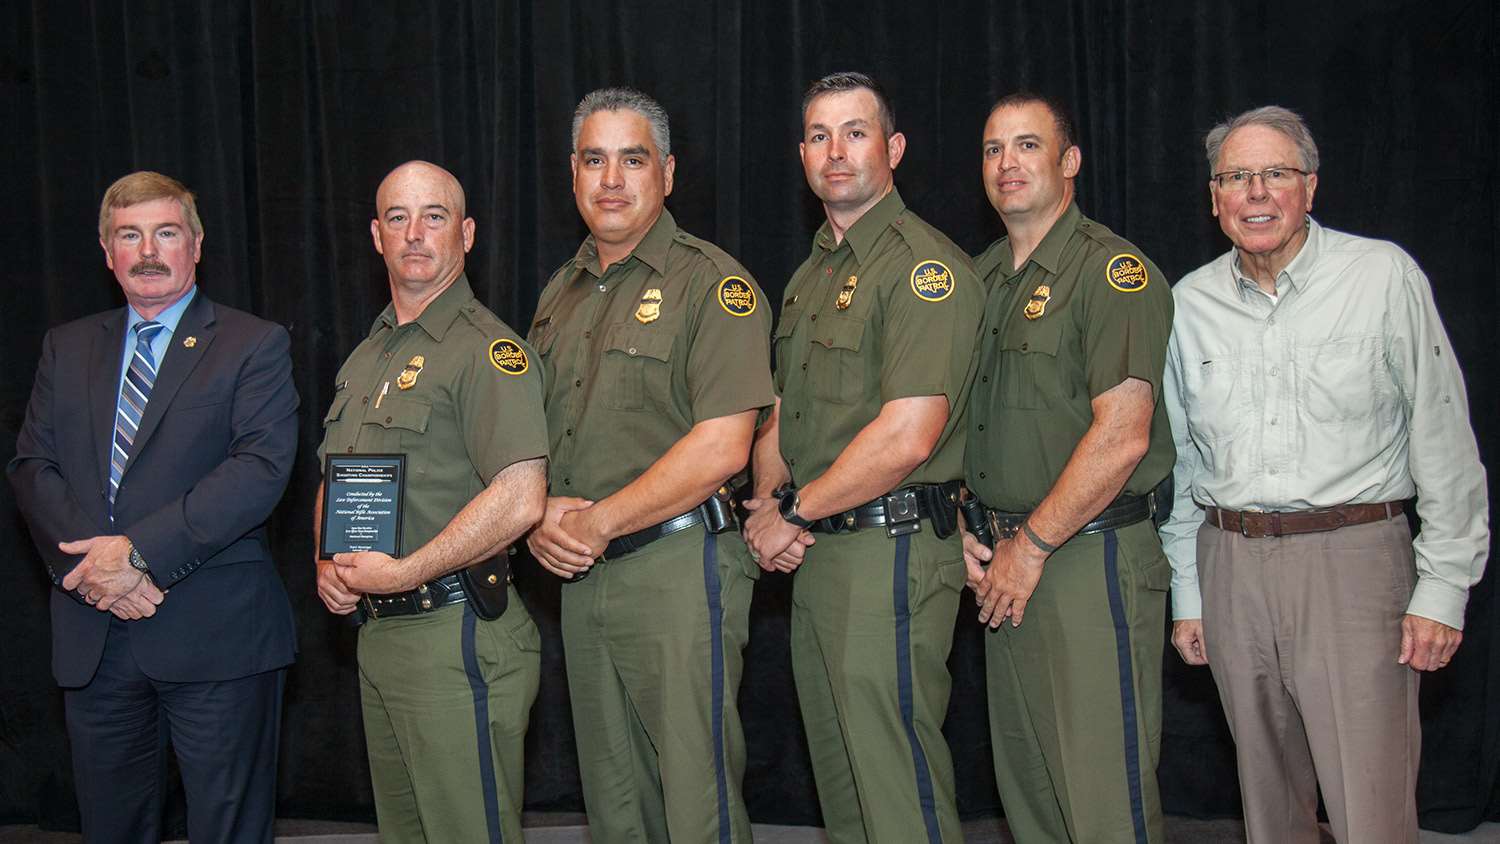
[[1297, 275], [862, 236], [439, 314], [652, 250], [1047, 255]]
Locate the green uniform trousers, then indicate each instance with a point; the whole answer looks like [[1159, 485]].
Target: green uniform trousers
[[446, 699], [1075, 694], [872, 624], [655, 649]]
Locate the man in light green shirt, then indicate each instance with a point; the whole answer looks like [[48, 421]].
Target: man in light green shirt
[[1312, 391]]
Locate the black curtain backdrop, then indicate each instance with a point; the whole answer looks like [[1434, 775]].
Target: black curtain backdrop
[[283, 115]]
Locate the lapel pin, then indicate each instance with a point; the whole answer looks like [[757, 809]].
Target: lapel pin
[[189, 341]]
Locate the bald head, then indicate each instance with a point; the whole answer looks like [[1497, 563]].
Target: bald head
[[426, 175], [420, 228]]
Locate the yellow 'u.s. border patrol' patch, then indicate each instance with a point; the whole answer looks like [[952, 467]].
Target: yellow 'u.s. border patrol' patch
[[508, 357], [736, 296], [932, 281], [1126, 273]]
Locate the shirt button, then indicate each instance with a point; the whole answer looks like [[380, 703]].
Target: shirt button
[[1275, 371], [994, 331], [981, 427], [570, 432], [814, 317], [1271, 321], [578, 383], [602, 288], [365, 400], [804, 367], [985, 378], [567, 481], [797, 415], [587, 334], [1273, 421], [1272, 472], [828, 270], [981, 474], [387, 355], [349, 450], [1025, 346], [388, 420], [632, 350]]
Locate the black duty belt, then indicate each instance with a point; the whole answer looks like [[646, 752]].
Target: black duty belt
[[1123, 511], [430, 596], [716, 514], [900, 512]]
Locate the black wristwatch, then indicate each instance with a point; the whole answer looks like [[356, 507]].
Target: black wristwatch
[[138, 562], [788, 508]]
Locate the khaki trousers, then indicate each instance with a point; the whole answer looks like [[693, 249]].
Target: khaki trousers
[[1075, 695], [1302, 633], [446, 698], [872, 624], [655, 646]]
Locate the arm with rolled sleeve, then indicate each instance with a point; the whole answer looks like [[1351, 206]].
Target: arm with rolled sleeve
[[1179, 535], [1443, 457], [239, 493]]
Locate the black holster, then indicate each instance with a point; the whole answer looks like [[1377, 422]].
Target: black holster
[[484, 583], [978, 520], [1160, 501], [942, 508]]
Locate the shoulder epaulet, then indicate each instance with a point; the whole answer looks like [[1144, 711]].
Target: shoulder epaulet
[[723, 263]]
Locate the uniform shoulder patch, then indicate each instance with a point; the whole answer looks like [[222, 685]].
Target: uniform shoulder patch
[[736, 296], [508, 357], [932, 281], [1126, 273]]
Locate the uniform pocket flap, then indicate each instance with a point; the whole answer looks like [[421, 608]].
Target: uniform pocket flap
[[837, 332], [401, 412], [1035, 338], [335, 410], [638, 341]]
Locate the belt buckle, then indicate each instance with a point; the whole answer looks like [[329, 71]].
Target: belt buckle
[[1257, 517]]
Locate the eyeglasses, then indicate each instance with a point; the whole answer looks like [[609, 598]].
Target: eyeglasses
[[1274, 178]]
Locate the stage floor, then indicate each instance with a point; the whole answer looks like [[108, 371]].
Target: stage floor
[[551, 828]]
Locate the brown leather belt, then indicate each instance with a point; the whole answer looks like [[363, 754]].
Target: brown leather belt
[[1257, 525]]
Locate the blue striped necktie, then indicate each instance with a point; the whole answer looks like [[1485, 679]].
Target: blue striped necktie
[[134, 394]]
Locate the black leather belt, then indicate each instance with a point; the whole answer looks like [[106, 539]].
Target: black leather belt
[[1123, 511], [716, 514], [899, 512], [631, 542], [432, 595]]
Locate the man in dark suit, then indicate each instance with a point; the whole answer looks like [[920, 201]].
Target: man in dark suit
[[158, 439]]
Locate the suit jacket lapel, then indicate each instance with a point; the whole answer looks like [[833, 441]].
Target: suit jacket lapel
[[104, 386], [177, 363]]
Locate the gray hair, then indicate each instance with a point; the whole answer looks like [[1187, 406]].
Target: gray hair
[[1283, 120], [617, 99]]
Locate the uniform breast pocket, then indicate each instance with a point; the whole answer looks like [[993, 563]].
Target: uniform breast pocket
[[397, 425], [835, 372], [1343, 380], [1028, 367], [1217, 396], [335, 411], [636, 369], [781, 340]]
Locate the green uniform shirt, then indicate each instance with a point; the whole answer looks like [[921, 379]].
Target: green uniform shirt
[[889, 313], [474, 407], [1086, 312], [636, 355]]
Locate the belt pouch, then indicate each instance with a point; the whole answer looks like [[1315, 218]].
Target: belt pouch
[[901, 513], [484, 583]]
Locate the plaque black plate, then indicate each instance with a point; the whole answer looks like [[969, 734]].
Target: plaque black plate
[[362, 499]]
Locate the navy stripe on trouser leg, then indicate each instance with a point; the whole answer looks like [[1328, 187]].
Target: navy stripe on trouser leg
[[1127, 684], [904, 690], [481, 691], [716, 645]]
